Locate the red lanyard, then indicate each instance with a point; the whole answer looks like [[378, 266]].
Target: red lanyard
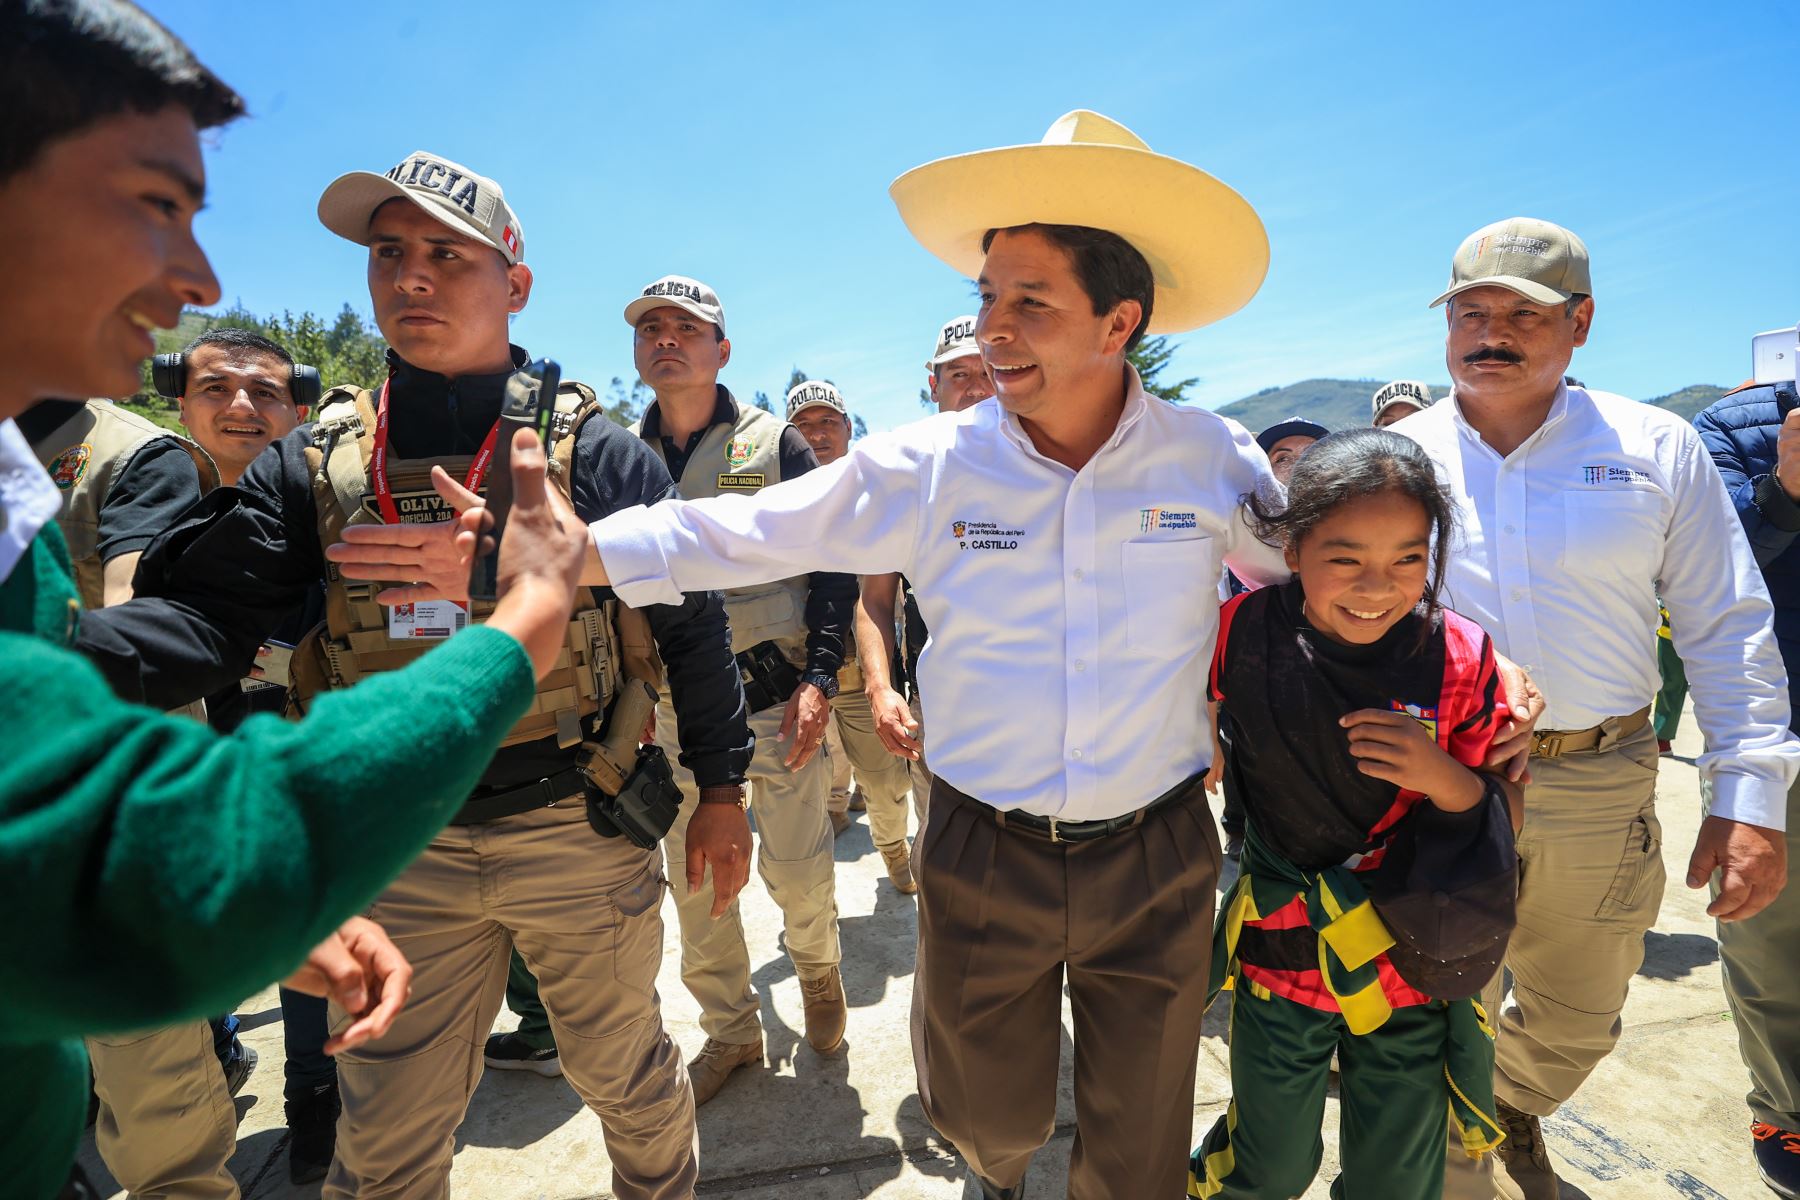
[[384, 495]]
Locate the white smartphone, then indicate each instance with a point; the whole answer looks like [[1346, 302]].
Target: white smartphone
[[1772, 355]]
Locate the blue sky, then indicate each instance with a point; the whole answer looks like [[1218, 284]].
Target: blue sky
[[751, 146]]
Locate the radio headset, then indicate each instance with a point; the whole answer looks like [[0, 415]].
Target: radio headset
[[168, 372]]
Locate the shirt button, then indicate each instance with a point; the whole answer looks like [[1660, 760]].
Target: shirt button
[[1080, 574], [1075, 754], [1510, 529], [1518, 593], [1080, 665]]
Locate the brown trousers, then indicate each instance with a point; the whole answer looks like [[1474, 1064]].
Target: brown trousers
[[1004, 914]]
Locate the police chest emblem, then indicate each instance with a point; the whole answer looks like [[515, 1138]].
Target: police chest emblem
[[68, 468], [739, 450]]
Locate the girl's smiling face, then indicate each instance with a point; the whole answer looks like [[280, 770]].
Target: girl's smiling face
[[1363, 566]]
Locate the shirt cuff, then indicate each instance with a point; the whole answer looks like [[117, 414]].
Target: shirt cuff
[[1751, 801], [632, 553]]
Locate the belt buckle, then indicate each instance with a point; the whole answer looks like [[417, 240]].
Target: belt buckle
[[550, 796], [1548, 743], [1054, 836]]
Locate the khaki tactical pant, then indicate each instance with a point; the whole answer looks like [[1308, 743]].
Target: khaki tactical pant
[[1761, 961], [917, 768], [585, 913], [882, 775], [841, 779], [1590, 887], [167, 1125], [794, 859]]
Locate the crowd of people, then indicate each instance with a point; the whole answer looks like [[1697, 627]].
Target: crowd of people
[[1418, 657]]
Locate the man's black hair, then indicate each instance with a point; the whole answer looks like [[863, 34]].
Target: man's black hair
[[1350, 465], [67, 64], [1109, 267], [238, 339]]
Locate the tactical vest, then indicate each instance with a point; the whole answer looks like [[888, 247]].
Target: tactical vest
[[604, 641], [741, 458], [85, 455]]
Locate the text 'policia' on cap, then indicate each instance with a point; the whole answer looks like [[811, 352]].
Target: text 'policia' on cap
[[678, 291], [470, 204]]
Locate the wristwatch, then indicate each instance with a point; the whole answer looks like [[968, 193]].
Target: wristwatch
[[726, 793], [825, 683]]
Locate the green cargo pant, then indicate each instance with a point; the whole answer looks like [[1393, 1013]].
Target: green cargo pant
[[1394, 1105], [1762, 985], [522, 998], [1673, 694]]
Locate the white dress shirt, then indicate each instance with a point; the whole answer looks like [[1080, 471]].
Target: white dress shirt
[[1565, 545], [1072, 613], [28, 500]]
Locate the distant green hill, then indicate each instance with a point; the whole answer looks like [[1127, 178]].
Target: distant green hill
[[1690, 399], [1344, 403], [1333, 403]]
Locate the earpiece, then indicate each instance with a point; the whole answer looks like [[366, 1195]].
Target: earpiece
[[168, 373]]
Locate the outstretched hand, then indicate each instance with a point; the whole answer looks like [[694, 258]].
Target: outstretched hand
[[432, 559]]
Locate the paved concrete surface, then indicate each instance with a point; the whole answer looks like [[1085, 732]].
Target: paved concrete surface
[[1662, 1118]]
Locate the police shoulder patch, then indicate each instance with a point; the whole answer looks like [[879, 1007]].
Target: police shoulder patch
[[70, 467]]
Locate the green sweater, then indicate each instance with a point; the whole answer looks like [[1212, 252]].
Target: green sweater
[[154, 871]]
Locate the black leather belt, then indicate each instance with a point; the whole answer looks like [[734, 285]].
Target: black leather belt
[[543, 793], [1057, 830]]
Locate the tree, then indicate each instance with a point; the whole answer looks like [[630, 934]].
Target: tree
[[625, 405], [1150, 356], [761, 400], [349, 351], [858, 427]]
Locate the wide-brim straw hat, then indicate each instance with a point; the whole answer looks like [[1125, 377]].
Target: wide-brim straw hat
[[1205, 245]]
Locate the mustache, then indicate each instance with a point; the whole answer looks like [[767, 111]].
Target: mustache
[[1492, 354]]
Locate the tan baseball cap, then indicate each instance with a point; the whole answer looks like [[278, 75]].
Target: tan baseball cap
[[1538, 260], [678, 291], [1401, 391], [955, 340], [813, 393], [473, 205]]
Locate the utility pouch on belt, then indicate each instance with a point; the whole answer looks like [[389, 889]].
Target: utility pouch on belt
[[769, 678], [631, 790]]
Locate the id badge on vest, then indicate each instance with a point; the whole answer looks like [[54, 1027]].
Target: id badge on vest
[[426, 619]]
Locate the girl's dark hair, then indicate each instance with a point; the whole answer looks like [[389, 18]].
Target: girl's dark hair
[[67, 64], [1351, 464]]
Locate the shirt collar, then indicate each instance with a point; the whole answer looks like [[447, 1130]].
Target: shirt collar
[[416, 381], [28, 500], [1137, 403], [1559, 408], [725, 412]]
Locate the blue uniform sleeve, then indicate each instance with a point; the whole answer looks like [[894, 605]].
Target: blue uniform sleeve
[[1770, 530]]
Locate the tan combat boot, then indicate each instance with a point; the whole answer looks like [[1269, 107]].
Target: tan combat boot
[[715, 1063], [839, 822], [823, 1000], [1525, 1172], [899, 867]]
